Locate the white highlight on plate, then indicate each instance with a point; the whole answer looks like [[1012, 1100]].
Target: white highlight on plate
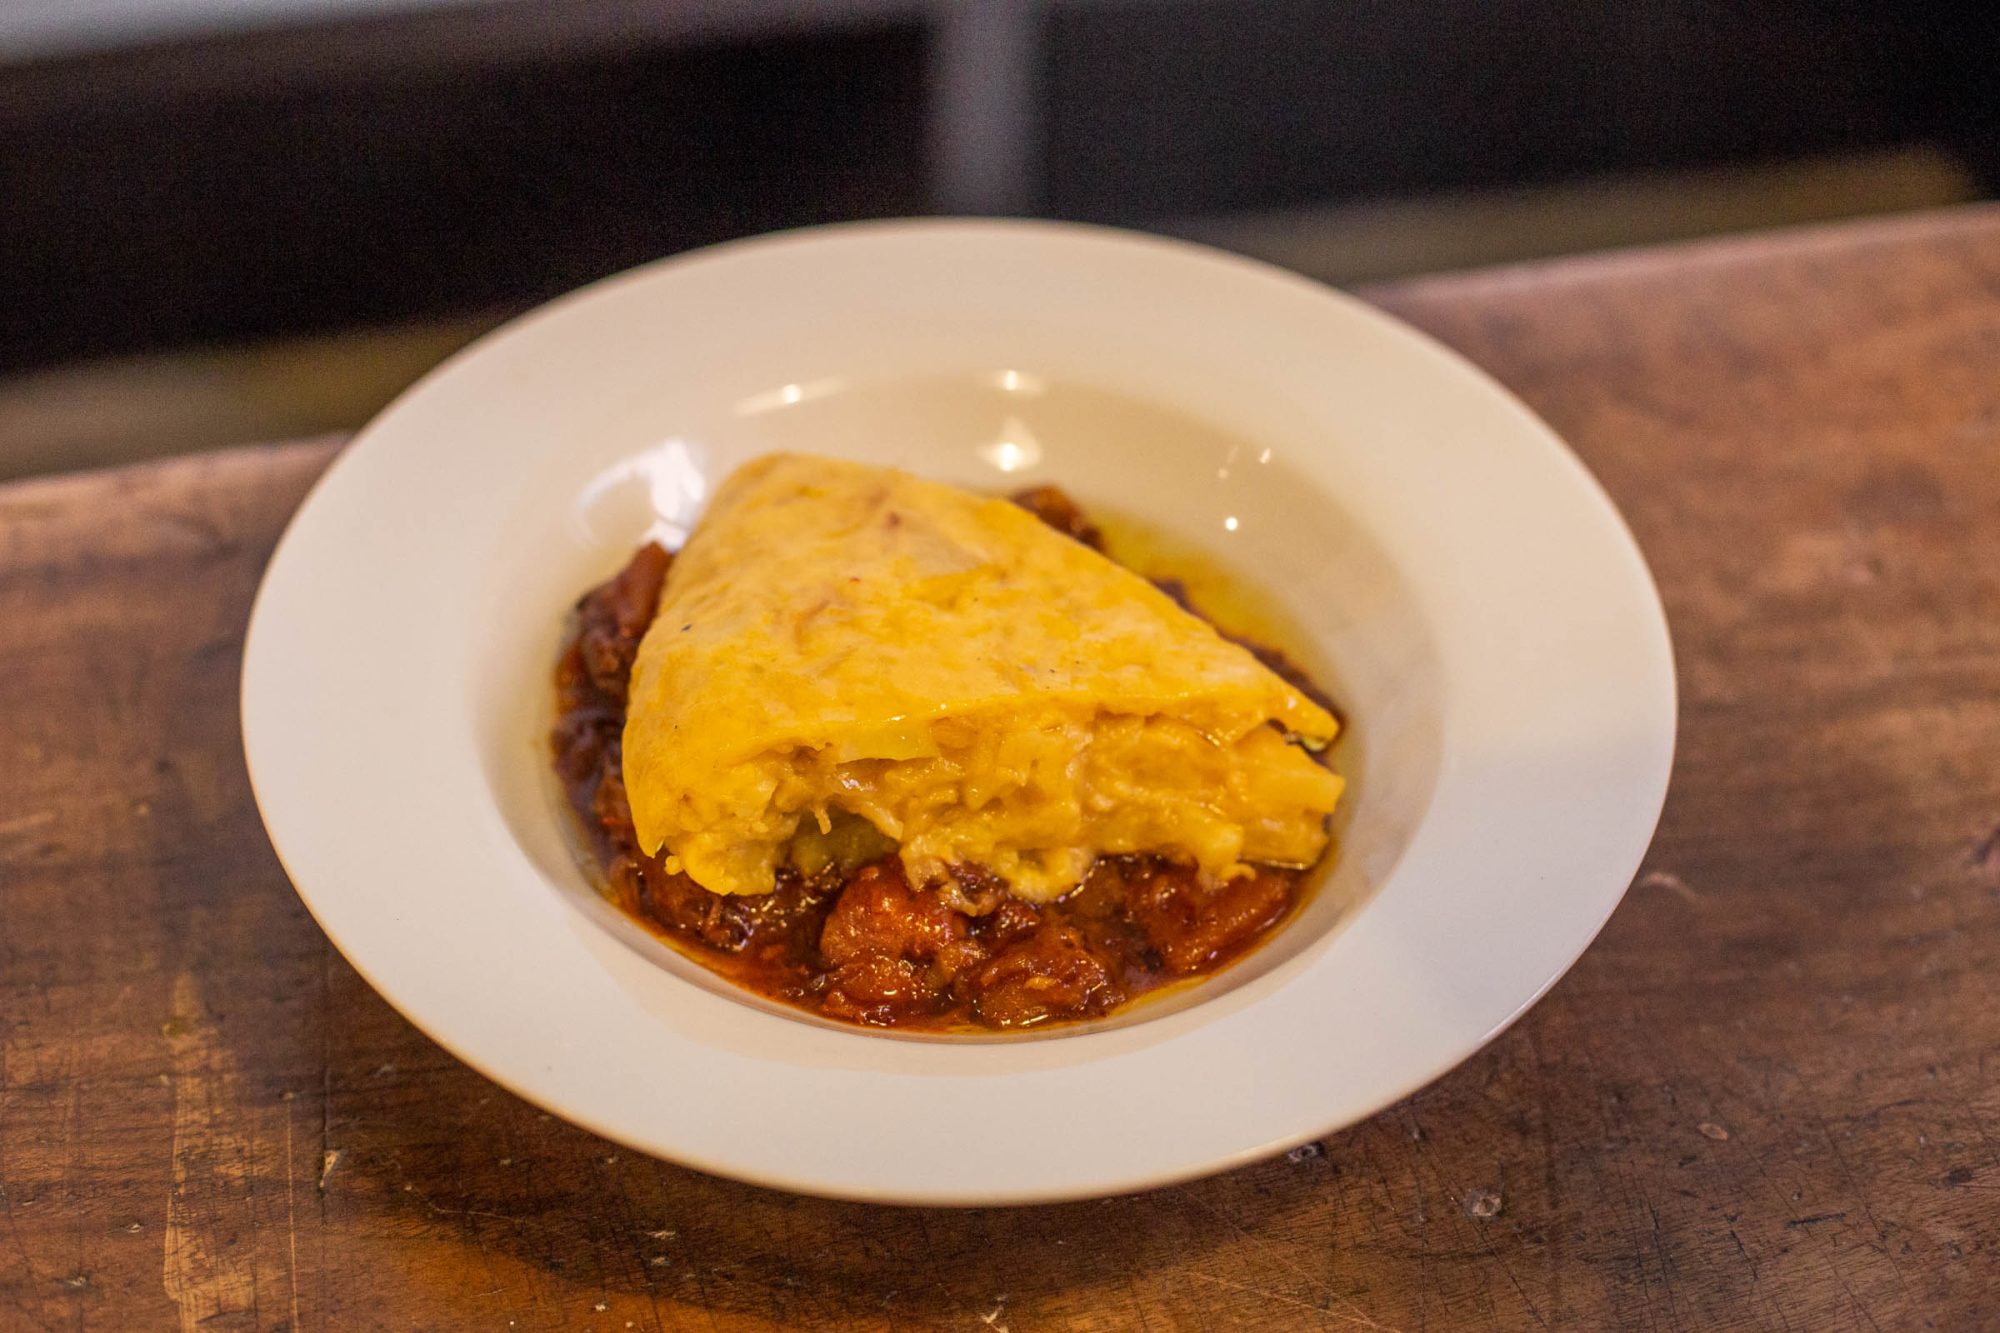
[[671, 473], [788, 395], [1015, 450], [1016, 381]]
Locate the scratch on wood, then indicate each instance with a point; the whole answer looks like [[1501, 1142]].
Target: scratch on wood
[[1661, 879], [291, 1217], [210, 538], [1328, 1294], [202, 1277], [1485, 1205], [1816, 1219], [1883, 1247], [23, 823], [1986, 855], [1358, 1320]]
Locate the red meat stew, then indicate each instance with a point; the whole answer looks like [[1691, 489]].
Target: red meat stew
[[866, 946]]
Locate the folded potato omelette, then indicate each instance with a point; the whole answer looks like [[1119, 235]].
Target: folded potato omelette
[[838, 643]]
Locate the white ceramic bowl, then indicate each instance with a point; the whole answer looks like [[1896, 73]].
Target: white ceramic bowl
[[1452, 572]]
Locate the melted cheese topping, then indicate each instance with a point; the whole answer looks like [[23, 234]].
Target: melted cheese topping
[[837, 639]]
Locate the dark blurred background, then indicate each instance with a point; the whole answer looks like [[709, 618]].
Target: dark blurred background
[[232, 219]]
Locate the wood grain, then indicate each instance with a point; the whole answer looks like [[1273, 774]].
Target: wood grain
[[1765, 1098]]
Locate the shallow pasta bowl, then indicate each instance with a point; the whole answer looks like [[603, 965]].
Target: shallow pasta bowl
[[1434, 552]]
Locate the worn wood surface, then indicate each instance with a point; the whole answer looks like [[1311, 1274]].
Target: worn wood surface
[[1766, 1098]]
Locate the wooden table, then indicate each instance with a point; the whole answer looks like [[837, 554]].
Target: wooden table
[[1768, 1097]]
